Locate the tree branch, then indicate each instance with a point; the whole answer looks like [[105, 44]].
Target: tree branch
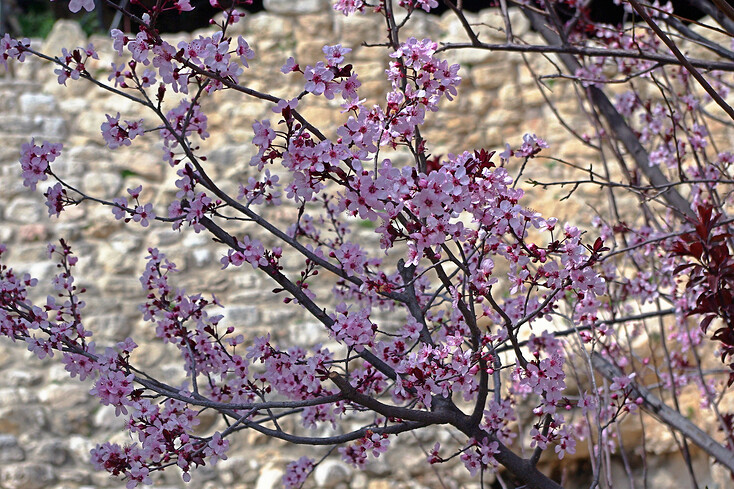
[[670, 417]]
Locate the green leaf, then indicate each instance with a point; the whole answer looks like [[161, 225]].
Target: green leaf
[[366, 224]]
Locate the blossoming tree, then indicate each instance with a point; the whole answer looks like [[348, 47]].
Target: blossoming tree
[[480, 281]]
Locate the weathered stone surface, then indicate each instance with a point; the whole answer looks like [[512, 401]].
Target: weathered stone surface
[[240, 315], [26, 476], [10, 451], [109, 328], [330, 473], [20, 124], [25, 210], [53, 452], [65, 33], [270, 478], [307, 333], [38, 103], [23, 377], [289, 7], [105, 184]]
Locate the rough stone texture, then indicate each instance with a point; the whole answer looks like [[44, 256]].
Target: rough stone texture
[[301, 7], [331, 473], [26, 476], [48, 422], [10, 451]]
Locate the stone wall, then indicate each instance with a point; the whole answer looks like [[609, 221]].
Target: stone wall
[[48, 422]]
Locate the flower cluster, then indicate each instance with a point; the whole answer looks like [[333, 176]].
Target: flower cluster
[[74, 63], [34, 160], [356, 453], [116, 135], [480, 456], [12, 49], [141, 213], [467, 269]]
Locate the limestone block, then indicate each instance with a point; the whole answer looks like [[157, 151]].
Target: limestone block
[[270, 478], [301, 7], [241, 468], [148, 165], [109, 328], [420, 26], [38, 103], [77, 477], [306, 333], [121, 286], [21, 377], [43, 271], [9, 150], [473, 57], [533, 97], [79, 446], [65, 33], [317, 25], [380, 484], [32, 232], [17, 395], [511, 96], [26, 210], [103, 185], [22, 419], [8, 101], [309, 52], [353, 30], [15, 124], [26, 476], [359, 481], [239, 316], [200, 257], [72, 88], [330, 473], [52, 127], [493, 28], [51, 452], [88, 123], [10, 451], [247, 284], [105, 419]]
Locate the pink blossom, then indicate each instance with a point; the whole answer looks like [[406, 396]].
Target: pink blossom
[[348, 7], [139, 48], [289, 66], [244, 51], [297, 472], [143, 213], [116, 135], [264, 134], [76, 5], [34, 160], [12, 48], [112, 388], [317, 78], [183, 5], [335, 54], [217, 448], [55, 199]]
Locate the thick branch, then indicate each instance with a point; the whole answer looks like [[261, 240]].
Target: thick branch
[[351, 393], [617, 125], [670, 417], [711, 10], [685, 62], [586, 51]]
